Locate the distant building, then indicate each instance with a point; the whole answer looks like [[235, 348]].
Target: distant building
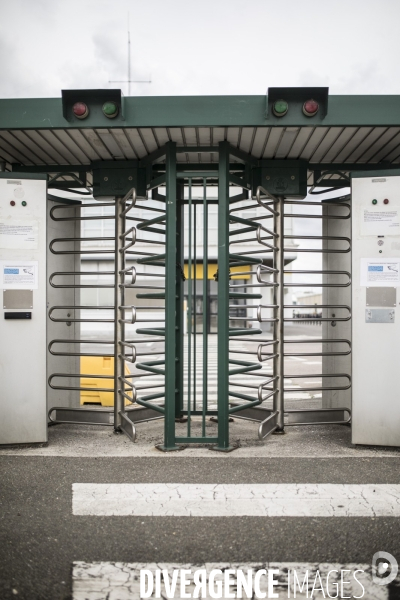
[[100, 263], [310, 299]]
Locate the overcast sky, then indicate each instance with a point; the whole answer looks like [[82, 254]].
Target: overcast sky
[[199, 47], [191, 47]]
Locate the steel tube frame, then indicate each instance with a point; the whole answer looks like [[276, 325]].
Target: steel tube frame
[[179, 296], [119, 301], [279, 324], [172, 315], [223, 299], [205, 308]]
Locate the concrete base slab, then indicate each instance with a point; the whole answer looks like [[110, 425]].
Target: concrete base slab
[[319, 441]]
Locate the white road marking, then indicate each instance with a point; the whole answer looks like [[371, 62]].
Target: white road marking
[[229, 500], [101, 580]]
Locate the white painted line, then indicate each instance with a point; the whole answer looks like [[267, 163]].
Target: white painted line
[[118, 580], [229, 500]]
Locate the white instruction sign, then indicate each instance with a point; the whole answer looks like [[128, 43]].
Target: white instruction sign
[[377, 272], [19, 234], [19, 275], [380, 222]]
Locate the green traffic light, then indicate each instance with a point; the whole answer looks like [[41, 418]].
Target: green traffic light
[[280, 108], [110, 109]]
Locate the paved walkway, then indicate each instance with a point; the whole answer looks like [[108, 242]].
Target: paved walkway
[[83, 515], [307, 500]]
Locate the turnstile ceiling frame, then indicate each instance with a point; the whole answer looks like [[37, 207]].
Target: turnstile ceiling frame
[[358, 131]]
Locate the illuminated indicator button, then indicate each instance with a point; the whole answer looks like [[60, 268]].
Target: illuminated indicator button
[[386, 201], [374, 201], [80, 110], [280, 108], [24, 203], [110, 110], [310, 108], [12, 203]]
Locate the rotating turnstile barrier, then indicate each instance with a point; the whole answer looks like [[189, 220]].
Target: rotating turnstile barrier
[[171, 380], [175, 155]]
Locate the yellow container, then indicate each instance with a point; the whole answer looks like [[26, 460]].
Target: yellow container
[[99, 365]]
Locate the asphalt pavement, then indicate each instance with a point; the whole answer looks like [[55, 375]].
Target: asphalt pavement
[[41, 537]]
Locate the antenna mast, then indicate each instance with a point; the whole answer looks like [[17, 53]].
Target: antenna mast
[[129, 58], [129, 80]]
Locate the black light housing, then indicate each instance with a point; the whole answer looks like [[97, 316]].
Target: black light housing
[[301, 102], [93, 105]]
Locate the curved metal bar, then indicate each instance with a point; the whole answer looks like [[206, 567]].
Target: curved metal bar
[[321, 216], [261, 434], [260, 239], [319, 341], [319, 410], [72, 320], [130, 195], [323, 272], [251, 285], [321, 319], [235, 409], [269, 355], [80, 409], [267, 269], [320, 389], [80, 376], [151, 367], [269, 195], [131, 241], [244, 368], [252, 223], [321, 238], [253, 386], [86, 218], [106, 342], [146, 223], [80, 239], [134, 318], [79, 274]]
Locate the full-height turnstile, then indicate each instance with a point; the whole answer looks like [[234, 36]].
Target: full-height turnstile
[[172, 381], [164, 159]]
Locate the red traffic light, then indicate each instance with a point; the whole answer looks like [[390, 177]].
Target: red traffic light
[[80, 110], [310, 108]]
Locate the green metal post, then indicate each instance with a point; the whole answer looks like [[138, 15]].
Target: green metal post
[[195, 300], [205, 308], [171, 317], [190, 314], [180, 259], [223, 298]]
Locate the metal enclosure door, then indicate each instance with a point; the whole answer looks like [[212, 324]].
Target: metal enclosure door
[[23, 388], [376, 322]]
